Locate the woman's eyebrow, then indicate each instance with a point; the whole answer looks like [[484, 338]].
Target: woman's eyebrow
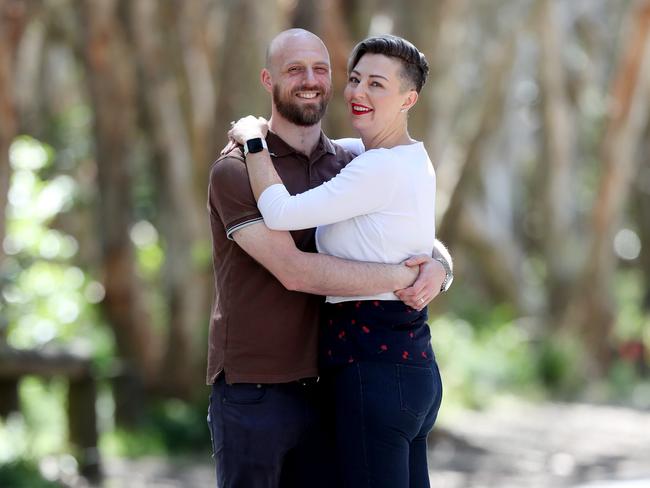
[[370, 76]]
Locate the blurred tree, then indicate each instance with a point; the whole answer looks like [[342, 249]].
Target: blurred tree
[[181, 206], [592, 309], [112, 86], [13, 18], [558, 204]]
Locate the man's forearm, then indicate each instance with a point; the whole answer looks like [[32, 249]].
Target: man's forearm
[[321, 274]]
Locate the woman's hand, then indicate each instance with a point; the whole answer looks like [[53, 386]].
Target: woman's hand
[[247, 128], [427, 286]]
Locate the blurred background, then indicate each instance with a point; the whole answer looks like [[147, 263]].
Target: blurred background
[[535, 116]]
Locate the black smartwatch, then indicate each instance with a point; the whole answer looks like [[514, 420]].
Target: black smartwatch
[[254, 145]]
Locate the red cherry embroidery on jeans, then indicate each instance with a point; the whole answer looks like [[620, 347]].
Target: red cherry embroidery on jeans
[[351, 360], [353, 321], [424, 355], [341, 334], [365, 329], [358, 304], [405, 355], [411, 335], [383, 347], [375, 303]]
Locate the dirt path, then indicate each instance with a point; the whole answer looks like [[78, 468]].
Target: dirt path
[[517, 445], [548, 446]]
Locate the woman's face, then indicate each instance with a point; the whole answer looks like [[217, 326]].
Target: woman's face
[[375, 94]]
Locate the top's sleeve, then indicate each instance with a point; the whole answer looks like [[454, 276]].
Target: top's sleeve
[[230, 195], [363, 186], [352, 145]]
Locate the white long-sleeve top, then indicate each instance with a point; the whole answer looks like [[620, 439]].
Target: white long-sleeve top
[[379, 208]]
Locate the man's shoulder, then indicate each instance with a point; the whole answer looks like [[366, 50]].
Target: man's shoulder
[[235, 157], [229, 165], [342, 155]]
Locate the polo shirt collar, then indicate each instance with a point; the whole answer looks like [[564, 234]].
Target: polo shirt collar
[[279, 148]]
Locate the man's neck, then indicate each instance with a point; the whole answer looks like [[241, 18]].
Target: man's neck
[[302, 139]]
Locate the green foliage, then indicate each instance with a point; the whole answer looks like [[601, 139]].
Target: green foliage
[[46, 300], [41, 428], [557, 363], [21, 474], [171, 427], [482, 359]]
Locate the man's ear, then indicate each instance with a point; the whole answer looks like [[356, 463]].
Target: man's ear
[[267, 82], [410, 100]]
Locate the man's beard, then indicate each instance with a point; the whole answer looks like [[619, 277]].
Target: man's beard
[[304, 115]]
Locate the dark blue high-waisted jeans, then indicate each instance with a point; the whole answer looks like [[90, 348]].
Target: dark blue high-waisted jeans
[[384, 412]]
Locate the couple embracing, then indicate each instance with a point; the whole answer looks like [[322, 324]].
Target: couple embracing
[[339, 392]]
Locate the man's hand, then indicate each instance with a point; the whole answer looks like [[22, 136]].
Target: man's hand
[[247, 128], [427, 286]]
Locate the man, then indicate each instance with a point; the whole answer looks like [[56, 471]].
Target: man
[[264, 407]]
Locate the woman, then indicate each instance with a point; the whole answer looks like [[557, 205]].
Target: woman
[[380, 208]]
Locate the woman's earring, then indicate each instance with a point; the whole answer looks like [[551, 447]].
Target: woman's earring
[[403, 110]]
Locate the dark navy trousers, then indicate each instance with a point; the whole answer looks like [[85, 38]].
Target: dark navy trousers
[[384, 412], [272, 436]]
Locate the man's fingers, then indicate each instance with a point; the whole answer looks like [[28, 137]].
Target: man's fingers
[[417, 260]]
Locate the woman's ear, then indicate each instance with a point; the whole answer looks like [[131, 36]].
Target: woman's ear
[[410, 100], [267, 82]]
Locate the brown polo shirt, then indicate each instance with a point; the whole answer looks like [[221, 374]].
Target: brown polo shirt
[[260, 332]]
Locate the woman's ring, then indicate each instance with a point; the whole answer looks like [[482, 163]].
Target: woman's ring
[[421, 300]]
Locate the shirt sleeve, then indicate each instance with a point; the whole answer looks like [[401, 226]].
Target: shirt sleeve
[[230, 195], [364, 186], [352, 145]]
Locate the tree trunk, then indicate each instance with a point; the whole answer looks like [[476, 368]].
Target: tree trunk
[[111, 83], [249, 29], [13, 16], [593, 309], [491, 115], [186, 293], [642, 217], [198, 56], [558, 207]]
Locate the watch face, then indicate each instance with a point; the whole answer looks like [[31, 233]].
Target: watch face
[[254, 145]]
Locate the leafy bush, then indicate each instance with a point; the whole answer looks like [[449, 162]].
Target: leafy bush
[[21, 474]]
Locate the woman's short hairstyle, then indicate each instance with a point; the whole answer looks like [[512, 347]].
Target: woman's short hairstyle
[[414, 65]]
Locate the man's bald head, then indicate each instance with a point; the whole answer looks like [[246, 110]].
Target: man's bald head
[[298, 75], [291, 39]]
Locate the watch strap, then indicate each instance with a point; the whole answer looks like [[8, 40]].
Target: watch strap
[[449, 275]]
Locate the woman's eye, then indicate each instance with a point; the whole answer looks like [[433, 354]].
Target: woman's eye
[[375, 83], [353, 79]]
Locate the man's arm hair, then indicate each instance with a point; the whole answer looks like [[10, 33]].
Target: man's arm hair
[[317, 273]]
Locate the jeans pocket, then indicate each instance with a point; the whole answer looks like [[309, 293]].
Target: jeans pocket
[[244, 393], [416, 389]]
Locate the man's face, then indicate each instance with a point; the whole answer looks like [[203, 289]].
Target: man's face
[[302, 82]]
